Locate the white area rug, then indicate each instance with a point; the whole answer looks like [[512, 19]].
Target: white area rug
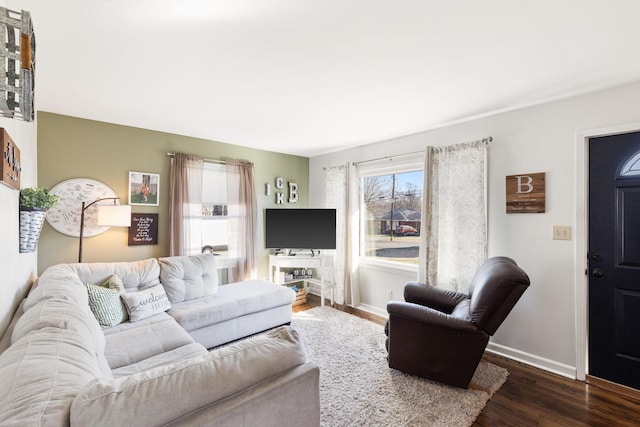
[[357, 387]]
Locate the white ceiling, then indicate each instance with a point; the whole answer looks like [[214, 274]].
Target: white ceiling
[[307, 77]]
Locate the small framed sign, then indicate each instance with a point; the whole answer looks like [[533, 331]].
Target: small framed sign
[[10, 167], [526, 193], [144, 229]]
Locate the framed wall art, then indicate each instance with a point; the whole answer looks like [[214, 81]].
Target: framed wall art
[[10, 165], [65, 215], [144, 188], [143, 230], [526, 193]]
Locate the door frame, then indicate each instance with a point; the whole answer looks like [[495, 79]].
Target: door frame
[[582, 238]]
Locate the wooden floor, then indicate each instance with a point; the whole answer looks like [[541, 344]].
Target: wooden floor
[[533, 397]]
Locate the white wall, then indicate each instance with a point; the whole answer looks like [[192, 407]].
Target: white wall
[[542, 328], [17, 270]]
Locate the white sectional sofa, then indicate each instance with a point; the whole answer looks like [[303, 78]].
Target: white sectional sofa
[[59, 366]]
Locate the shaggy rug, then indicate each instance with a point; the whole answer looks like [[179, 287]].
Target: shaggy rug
[[357, 387]]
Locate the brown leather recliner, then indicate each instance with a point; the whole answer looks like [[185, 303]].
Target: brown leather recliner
[[440, 334]]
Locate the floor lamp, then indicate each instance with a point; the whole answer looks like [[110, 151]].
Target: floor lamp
[[108, 216]]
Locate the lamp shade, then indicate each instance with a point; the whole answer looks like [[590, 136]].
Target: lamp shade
[[114, 215]]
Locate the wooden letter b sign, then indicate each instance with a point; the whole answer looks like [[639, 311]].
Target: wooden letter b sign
[[526, 193]]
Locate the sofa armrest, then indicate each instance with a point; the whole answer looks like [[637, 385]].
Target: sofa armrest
[[430, 296], [163, 394], [428, 316], [288, 400]]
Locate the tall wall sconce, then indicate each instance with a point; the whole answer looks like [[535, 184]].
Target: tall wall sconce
[[114, 215]]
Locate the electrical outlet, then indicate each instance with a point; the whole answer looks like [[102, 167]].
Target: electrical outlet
[[389, 294], [561, 232]]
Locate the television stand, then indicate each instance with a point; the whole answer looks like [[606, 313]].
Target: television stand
[[320, 263]]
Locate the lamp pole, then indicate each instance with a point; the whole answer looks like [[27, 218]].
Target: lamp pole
[[84, 208]]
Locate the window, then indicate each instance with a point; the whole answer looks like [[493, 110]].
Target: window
[[391, 214], [215, 215], [631, 166], [209, 220]]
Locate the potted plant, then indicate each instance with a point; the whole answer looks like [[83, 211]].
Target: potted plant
[[34, 203]]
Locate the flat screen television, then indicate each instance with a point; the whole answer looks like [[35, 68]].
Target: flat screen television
[[300, 228]]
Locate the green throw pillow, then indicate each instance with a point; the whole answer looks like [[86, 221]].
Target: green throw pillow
[[105, 302]]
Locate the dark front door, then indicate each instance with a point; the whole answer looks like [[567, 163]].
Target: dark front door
[[614, 258]]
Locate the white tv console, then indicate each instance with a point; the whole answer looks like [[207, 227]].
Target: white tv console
[[321, 263]]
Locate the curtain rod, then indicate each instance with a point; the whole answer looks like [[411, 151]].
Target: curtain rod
[[389, 157], [220, 162], [487, 140]]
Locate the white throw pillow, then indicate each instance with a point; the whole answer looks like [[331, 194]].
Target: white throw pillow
[[146, 303]]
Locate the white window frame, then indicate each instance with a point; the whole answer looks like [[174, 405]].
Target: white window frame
[[387, 166]]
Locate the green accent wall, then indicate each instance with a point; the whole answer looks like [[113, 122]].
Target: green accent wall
[[70, 147]]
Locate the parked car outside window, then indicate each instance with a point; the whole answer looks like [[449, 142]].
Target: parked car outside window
[[406, 230]]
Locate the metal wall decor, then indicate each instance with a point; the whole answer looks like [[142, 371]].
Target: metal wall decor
[[280, 195], [17, 64]]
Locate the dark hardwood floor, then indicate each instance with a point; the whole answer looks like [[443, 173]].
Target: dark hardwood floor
[[533, 397]]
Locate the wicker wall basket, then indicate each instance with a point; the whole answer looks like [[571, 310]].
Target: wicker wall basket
[[31, 222]]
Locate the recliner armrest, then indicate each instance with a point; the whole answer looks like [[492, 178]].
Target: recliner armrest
[[430, 296], [429, 316]]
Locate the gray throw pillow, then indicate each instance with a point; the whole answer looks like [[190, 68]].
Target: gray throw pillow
[[146, 303], [105, 302]]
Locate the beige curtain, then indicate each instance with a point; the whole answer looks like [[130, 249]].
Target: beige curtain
[[241, 198], [453, 243], [185, 203]]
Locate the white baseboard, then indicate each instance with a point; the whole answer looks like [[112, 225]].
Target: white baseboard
[[501, 350], [533, 360], [373, 310]]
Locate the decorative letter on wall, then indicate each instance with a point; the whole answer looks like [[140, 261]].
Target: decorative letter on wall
[[17, 61], [279, 184], [293, 192]]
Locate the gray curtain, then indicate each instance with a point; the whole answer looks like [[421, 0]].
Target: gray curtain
[[185, 203], [241, 198], [453, 243]]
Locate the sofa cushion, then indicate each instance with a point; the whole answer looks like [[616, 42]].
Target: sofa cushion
[[135, 275], [129, 343], [181, 388], [105, 302], [168, 357], [41, 374], [188, 277], [146, 303], [231, 301]]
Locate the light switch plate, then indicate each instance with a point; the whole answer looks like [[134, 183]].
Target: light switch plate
[[561, 232]]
